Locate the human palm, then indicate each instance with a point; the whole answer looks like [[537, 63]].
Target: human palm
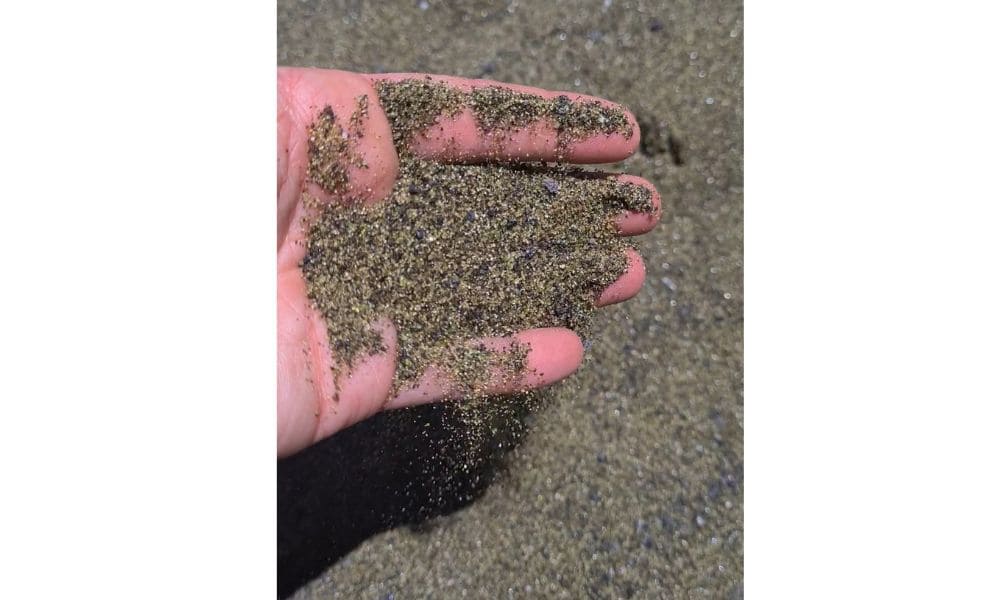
[[311, 406]]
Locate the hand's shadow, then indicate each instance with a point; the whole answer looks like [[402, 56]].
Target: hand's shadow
[[400, 467]]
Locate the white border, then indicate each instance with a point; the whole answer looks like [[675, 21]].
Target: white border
[[138, 317], [871, 319]]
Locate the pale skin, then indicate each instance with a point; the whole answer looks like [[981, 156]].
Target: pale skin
[[311, 406]]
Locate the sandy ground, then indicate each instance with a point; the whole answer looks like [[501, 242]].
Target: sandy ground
[[630, 481]]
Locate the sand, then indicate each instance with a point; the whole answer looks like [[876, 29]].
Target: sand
[[412, 105], [462, 252], [628, 483], [466, 252]]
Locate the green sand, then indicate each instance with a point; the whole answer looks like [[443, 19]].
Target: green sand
[[630, 483], [464, 252]]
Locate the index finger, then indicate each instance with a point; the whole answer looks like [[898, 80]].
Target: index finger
[[470, 120]]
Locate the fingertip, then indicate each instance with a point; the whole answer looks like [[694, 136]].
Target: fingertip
[[629, 284], [632, 142], [555, 354], [604, 147], [636, 223]]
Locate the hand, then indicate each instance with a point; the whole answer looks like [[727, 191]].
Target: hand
[[307, 412]]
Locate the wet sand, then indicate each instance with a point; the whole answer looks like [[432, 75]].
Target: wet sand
[[630, 481]]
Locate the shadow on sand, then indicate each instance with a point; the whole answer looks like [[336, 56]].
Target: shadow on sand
[[400, 467]]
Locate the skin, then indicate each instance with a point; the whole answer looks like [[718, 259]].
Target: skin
[[307, 411]]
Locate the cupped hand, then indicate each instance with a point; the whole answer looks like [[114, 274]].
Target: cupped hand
[[310, 405]]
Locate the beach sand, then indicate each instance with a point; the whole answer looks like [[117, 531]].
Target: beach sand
[[629, 482]]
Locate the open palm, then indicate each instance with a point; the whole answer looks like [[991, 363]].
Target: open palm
[[307, 410]]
